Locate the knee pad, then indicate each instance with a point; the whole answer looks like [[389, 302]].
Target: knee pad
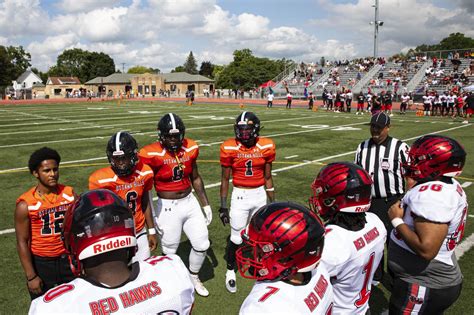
[[201, 245], [235, 237], [169, 249]]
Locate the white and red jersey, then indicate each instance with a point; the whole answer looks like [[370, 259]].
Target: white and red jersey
[[351, 258], [439, 202], [279, 297], [160, 284], [405, 98]]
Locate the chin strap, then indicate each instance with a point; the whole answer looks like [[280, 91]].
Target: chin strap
[[180, 164]]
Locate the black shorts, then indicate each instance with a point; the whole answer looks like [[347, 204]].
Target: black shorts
[[413, 297], [53, 271]]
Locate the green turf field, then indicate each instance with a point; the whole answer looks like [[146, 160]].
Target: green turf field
[[305, 141]]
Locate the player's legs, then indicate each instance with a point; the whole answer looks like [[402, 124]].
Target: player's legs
[[195, 229], [244, 203], [143, 251], [169, 221], [413, 298]]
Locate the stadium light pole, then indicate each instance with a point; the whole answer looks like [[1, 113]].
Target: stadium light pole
[[376, 24]]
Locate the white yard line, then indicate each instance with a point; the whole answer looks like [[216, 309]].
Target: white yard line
[[291, 156], [466, 184], [460, 249]]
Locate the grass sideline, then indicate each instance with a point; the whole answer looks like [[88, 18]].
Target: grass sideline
[[305, 141]]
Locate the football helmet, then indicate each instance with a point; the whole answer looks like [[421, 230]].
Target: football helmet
[[98, 222], [171, 132], [433, 156], [247, 128], [122, 152], [281, 239], [341, 187]]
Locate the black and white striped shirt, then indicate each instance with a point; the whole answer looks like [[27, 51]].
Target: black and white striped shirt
[[383, 162]]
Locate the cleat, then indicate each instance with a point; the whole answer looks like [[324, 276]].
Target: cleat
[[230, 281], [198, 286]]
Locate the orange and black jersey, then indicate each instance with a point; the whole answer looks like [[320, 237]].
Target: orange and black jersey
[[130, 188], [46, 219], [248, 164], [172, 170]]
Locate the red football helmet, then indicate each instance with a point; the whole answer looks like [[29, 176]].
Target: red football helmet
[[341, 187], [433, 156], [281, 239], [98, 222]]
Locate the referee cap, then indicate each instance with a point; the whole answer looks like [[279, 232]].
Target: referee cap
[[380, 120]]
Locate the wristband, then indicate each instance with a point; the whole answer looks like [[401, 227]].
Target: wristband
[[396, 222], [152, 231], [36, 276], [206, 208], [270, 189]]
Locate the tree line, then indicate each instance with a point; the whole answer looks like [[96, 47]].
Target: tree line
[[245, 71]]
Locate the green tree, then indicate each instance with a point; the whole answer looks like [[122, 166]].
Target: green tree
[[207, 69], [83, 64], [142, 69], [190, 66], [455, 41], [247, 71], [178, 69], [13, 62]]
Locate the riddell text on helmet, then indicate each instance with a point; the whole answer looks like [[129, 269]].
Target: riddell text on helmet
[[111, 245]]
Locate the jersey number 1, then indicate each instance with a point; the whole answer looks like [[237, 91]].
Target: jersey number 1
[[364, 294], [248, 168]]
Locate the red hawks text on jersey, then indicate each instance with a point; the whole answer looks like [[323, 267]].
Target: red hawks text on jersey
[[162, 284], [248, 164], [172, 170], [439, 202], [351, 258], [278, 297]]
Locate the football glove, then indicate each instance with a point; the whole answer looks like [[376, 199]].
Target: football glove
[[208, 213], [224, 215]]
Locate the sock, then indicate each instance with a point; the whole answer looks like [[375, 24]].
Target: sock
[[196, 260], [231, 249]]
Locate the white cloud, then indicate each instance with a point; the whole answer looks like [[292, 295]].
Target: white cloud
[[84, 5], [20, 17], [251, 26], [101, 24], [406, 23]]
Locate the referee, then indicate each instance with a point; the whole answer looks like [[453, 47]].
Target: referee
[[382, 156]]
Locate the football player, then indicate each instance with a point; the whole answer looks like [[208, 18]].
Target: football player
[[173, 161], [132, 180], [39, 214], [282, 248], [428, 224], [248, 158], [99, 234], [355, 238]]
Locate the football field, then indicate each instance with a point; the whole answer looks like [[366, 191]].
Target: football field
[[305, 141]]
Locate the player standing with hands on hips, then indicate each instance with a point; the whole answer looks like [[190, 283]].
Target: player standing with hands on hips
[[173, 161], [248, 158]]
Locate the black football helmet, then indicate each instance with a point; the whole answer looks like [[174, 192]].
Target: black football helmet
[[282, 238], [171, 132], [122, 152], [247, 128], [98, 222]]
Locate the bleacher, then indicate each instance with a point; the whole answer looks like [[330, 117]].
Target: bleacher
[[393, 76], [437, 78]]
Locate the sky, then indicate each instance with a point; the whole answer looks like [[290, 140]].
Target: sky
[[161, 33]]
